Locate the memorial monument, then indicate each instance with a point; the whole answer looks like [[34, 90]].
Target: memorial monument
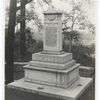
[[52, 71]]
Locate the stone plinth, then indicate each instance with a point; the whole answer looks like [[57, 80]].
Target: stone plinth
[[71, 93], [53, 77]]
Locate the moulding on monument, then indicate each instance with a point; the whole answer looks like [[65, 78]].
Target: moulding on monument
[[51, 70], [52, 65]]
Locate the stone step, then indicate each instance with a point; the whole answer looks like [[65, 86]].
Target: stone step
[[62, 58], [52, 65]]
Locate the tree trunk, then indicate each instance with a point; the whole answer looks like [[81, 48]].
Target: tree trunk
[[10, 43], [22, 31]]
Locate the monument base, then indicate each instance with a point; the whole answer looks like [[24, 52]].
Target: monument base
[[53, 77], [71, 93]]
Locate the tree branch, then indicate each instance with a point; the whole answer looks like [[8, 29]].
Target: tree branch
[[73, 21]]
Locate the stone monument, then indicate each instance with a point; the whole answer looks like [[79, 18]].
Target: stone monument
[[52, 66], [52, 69]]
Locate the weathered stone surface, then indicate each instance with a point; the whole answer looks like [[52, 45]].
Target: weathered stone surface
[[71, 93], [53, 77], [51, 36], [52, 58]]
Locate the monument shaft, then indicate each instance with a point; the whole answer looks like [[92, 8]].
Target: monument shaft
[[52, 31]]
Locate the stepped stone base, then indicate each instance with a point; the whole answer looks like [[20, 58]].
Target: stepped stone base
[[51, 69]]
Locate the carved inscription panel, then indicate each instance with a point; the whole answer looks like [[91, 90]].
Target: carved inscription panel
[[51, 36]]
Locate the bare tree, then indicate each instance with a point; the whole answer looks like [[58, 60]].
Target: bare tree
[[74, 21]]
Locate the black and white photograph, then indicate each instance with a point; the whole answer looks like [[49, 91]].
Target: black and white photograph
[[50, 49]]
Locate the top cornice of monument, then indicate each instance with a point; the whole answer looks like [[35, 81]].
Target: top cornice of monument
[[52, 10]]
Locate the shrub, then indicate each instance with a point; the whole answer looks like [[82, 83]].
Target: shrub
[[32, 46], [82, 54]]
